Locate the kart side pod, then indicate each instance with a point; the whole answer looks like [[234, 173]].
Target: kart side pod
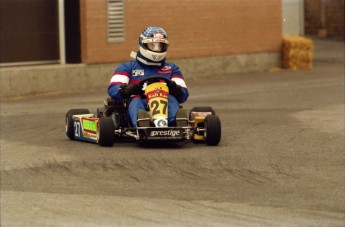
[[198, 123]]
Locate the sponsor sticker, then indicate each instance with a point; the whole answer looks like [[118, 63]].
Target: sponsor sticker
[[165, 70], [90, 135], [89, 125], [138, 72], [157, 94], [156, 134], [161, 122]]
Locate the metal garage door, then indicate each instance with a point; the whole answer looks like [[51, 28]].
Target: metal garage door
[[293, 17], [29, 32]]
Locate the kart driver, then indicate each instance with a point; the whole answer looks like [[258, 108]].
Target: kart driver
[[149, 61]]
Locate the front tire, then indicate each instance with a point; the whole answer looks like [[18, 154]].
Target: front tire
[[106, 131], [69, 127], [213, 130]]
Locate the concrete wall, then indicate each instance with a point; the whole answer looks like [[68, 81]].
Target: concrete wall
[[36, 80]]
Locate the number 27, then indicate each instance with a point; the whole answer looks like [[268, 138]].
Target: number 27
[[155, 104], [77, 128]]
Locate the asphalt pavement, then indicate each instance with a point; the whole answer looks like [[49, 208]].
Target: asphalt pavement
[[280, 161]]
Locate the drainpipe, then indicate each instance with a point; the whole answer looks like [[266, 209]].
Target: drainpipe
[[62, 32]]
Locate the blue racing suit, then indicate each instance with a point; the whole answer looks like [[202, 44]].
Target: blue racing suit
[[135, 71]]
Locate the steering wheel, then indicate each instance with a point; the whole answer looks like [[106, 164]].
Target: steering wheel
[[153, 79]]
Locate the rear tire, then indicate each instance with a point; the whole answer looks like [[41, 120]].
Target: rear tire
[[69, 127], [213, 130], [106, 131]]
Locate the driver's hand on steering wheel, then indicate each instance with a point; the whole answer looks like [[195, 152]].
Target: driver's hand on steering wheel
[[126, 90], [174, 89]]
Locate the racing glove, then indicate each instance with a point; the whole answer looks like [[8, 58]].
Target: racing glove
[[175, 90], [126, 90]]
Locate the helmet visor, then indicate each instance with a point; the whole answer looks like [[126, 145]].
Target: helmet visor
[[156, 47]]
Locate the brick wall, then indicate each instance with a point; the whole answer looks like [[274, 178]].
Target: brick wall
[[333, 24], [195, 28]]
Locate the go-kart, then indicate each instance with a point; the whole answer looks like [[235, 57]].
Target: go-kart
[[111, 122]]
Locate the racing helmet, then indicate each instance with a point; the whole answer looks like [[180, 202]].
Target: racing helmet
[[153, 43]]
